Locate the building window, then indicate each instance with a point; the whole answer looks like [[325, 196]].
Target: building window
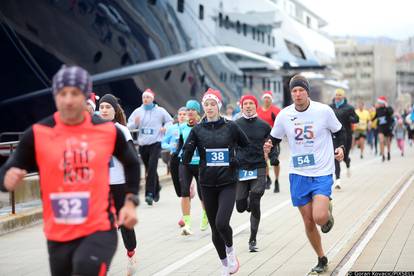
[[201, 12], [220, 19], [238, 26], [226, 22], [273, 42], [264, 84], [308, 22], [263, 37], [251, 81], [244, 29], [152, 2], [268, 39], [254, 33], [180, 5]]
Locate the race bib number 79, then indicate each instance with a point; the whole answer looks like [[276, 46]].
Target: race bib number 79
[[70, 207]]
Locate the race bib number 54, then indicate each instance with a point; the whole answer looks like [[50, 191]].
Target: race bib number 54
[[71, 207], [300, 161]]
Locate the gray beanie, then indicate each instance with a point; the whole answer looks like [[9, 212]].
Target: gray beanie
[[72, 76]]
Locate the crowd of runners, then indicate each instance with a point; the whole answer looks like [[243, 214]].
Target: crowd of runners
[[89, 165]]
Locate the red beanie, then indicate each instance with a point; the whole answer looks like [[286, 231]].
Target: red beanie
[[248, 97], [267, 94], [92, 100], [214, 95], [382, 100]]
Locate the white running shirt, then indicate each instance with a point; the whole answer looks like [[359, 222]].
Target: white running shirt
[[309, 135], [116, 169]]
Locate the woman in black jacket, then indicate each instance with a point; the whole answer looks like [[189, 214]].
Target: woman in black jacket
[[216, 140]]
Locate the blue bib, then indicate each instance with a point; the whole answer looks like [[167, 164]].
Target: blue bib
[[147, 131], [70, 207], [247, 175], [306, 160], [217, 157]]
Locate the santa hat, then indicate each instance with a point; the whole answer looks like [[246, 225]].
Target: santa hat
[[382, 100], [148, 92], [248, 97], [213, 95], [267, 94], [92, 100]]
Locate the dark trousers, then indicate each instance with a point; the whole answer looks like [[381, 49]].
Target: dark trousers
[[118, 192], [150, 155], [174, 169], [90, 255], [347, 160], [219, 204]]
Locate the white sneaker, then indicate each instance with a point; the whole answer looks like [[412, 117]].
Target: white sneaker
[[338, 184], [186, 230], [131, 266], [225, 271], [233, 262]]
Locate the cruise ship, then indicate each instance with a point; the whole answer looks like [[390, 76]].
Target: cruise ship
[[178, 48]]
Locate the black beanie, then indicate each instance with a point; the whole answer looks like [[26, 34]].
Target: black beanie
[[111, 99], [298, 80]]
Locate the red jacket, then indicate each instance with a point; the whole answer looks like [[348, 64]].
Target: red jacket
[[269, 115]]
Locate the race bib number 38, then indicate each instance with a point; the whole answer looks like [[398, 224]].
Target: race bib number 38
[[217, 157], [300, 161], [71, 207]]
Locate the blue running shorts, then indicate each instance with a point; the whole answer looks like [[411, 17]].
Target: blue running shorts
[[304, 188]]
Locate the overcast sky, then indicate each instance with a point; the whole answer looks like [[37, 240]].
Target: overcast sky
[[394, 19]]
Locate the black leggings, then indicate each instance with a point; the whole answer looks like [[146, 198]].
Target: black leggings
[[87, 256], [118, 192], [347, 160], [174, 165], [219, 204], [187, 173], [150, 155]]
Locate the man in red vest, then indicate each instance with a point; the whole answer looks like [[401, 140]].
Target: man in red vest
[[268, 113], [72, 151]]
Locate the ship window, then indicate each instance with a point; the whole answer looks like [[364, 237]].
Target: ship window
[[183, 76], [203, 79], [244, 29], [220, 19], [201, 12], [97, 57], [167, 75], [295, 50], [238, 26], [180, 5], [152, 2]]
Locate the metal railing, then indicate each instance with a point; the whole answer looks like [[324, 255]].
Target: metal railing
[[9, 147]]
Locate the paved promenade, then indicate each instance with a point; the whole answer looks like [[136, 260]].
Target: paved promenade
[[364, 204]]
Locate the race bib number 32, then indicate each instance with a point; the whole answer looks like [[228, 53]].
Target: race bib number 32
[[217, 157], [300, 161], [71, 207]]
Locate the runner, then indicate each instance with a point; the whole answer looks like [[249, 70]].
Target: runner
[[71, 151], [110, 110], [347, 117], [268, 113], [252, 165], [216, 139], [151, 120], [189, 171], [399, 133], [362, 126], [308, 126], [384, 115]]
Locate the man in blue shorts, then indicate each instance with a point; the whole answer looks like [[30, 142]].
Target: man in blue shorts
[[312, 129]]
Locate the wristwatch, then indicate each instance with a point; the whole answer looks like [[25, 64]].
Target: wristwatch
[[134, 199]]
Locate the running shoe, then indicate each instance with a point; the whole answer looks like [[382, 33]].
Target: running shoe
[[321, 267], [225, 271], [132, 266], [204, 222], [389, 156], [330, 223], [252, 246], [149, 199], [268, 182], [233, 262], [276, 188], [338, 184], [186, 230]]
